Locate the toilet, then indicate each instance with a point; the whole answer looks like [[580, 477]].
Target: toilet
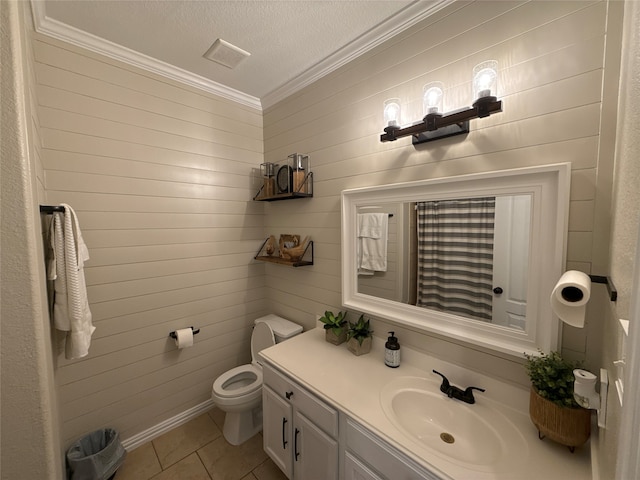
[[238, 391]]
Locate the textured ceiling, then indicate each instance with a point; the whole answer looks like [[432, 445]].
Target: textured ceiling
[[286, 39]]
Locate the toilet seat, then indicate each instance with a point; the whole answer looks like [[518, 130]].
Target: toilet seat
[[238, 381], [246, 379]]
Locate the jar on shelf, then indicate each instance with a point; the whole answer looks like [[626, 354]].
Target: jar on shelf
[[268, 170], [300, 165]]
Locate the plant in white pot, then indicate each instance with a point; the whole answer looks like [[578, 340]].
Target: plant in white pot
[[359, 337], [335, 327], [552, 407]]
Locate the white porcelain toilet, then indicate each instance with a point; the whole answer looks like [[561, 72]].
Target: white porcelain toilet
[[238, 391]]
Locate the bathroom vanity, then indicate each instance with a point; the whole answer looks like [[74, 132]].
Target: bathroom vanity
[[331, 415]]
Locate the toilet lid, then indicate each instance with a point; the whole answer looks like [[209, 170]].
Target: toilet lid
[[261, 338]]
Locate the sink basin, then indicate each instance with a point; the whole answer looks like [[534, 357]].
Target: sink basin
[[478, 436]]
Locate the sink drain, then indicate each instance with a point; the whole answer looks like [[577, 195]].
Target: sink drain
[[447, 437]]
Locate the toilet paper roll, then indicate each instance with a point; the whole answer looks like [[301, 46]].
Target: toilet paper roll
[[584, 389], [584, 378], [570, 296], [184, 337]]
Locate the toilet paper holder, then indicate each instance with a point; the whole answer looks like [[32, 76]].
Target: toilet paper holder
[[611, 288], [174, 336]]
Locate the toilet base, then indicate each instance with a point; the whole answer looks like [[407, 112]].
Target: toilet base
[[241, 426]]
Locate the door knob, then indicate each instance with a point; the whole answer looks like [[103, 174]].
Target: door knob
[[498, 290]]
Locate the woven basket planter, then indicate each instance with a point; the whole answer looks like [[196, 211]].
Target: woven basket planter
[[566, 426]]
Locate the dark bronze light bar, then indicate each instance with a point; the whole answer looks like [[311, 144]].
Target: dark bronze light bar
[[435, 126]]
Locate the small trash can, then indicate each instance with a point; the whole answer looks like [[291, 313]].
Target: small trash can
[[96, 456]]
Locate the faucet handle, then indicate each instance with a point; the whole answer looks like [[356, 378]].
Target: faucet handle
[[468, 393], [444, 387]]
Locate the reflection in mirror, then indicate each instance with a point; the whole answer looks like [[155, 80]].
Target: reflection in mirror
[[461, 256], [468, 257]]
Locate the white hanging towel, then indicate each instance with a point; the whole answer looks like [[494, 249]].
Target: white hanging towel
[[372, 242], [71, 312]]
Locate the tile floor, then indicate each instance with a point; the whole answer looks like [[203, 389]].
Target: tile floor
[[198, 451]]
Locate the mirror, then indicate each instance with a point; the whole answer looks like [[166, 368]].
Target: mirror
[[473, 257], [465, 256]]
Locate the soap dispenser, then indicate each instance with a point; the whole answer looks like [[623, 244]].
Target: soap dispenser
[[392, 351]]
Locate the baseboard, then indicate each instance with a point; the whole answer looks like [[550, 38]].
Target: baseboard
[[149, 434]]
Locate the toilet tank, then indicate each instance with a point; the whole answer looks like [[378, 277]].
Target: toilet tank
[[281, 327]]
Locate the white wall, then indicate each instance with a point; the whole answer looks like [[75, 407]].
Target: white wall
[[160, 176], [30, 443], [624, 232]]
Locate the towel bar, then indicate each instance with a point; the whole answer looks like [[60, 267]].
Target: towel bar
[[49, 209]]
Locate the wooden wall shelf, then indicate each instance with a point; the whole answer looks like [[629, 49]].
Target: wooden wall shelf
[[282, 196], [287, 191], [308, 252]]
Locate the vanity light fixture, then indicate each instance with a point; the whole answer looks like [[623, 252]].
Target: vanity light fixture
[[436, 125]]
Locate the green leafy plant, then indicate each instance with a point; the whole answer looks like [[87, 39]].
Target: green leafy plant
[[359, 330], [552, 377], [334, 322]]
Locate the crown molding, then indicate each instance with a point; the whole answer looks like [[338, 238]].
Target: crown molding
[[61, 31], [412, 14]]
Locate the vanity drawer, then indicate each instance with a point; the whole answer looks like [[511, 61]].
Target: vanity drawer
[[323, 415], [382, 458]]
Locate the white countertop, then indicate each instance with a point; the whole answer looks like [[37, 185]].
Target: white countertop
[[353, 385]]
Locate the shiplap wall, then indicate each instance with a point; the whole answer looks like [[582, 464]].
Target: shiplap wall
[[551, 77], [160, 176]]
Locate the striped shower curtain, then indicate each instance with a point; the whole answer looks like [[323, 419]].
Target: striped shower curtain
[[455, 256]]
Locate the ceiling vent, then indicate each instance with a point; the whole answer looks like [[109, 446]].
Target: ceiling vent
[[224, 53]]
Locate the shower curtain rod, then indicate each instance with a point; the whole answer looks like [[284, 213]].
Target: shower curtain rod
[[49, 209]]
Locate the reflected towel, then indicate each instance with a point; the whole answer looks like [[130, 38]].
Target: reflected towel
[[372, 242], [71, 312]]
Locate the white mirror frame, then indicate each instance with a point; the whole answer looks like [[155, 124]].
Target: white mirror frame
[[549, 187]]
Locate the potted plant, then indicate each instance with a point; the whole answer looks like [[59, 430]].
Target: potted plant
[[335, 327], [552, 408], [359, 337]]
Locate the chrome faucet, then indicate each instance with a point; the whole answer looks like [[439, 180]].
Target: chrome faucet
[[454, 392]]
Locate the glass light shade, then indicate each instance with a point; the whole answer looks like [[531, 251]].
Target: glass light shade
[[432, 98], [392, 112], [485, 79]]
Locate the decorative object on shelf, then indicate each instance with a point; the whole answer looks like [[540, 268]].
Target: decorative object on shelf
[[288, 251], [300, 167], [270, 246], [284, 180], [335, 327], [359, 337], [291, 179], [268, 170], [552, 406], [288, 241], [295, 252], [436, 125]]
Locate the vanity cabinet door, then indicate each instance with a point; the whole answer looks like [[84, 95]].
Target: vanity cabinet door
[[354, 469], [315, 454], [277, 430], [378, 456]]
